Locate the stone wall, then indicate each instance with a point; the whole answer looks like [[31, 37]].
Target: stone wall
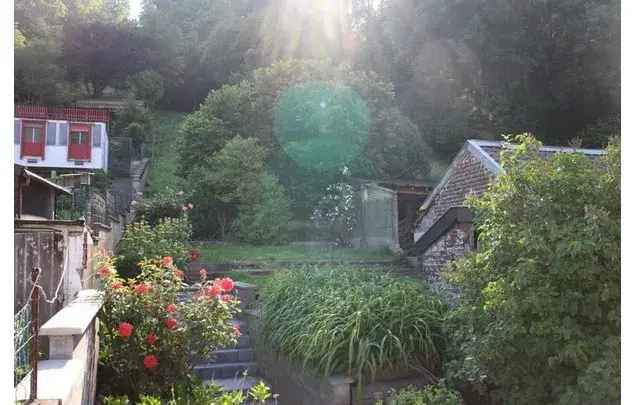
[[467, 175], [458, 241]]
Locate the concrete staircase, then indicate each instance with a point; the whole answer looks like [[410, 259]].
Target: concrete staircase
[[235, 368]]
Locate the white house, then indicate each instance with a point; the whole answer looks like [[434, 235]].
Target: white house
[[61, 138]]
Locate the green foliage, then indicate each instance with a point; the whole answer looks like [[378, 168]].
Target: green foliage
[[539, 311], [162, 172], [430, 395], [133, 121], [149, 400], [198, 393], [150, 341], [167, 204], [147, 86], [231, 189], [265, 219], [355, 321], [260, 392], [337, 212], [293, 107], [465, 68], [116, 400], [89, 49], [169, 237]]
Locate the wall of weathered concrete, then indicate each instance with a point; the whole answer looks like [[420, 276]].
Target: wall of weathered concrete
[[70, 373]]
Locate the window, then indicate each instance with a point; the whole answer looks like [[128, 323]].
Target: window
[[32, 138], [32, 134], [79, 137], [51, 131]]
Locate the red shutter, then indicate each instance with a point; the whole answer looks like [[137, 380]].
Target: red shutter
[[30, 146], [79, 144]]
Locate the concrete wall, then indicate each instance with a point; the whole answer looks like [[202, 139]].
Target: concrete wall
[[69, 375]]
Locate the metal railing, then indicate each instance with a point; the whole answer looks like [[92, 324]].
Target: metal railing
[[63, 113], [22, 338]]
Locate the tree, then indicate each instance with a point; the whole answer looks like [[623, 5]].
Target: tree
[[147, 86], [467, 69], [90, 49], [313, 117], [232, 191], [539, 309]]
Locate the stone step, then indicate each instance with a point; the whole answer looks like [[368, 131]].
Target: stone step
[[234, 384], [206, 371], [233, 355], [244, 342]]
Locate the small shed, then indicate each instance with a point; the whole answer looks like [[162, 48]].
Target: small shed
[[445, 229], [34, 196], [388, 212]]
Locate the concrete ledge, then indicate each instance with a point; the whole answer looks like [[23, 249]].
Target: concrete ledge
[[52, 380], [75, 318]]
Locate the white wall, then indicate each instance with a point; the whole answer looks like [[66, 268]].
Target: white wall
[[56, 156]]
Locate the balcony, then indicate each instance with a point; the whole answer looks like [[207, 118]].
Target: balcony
[[77, 114]]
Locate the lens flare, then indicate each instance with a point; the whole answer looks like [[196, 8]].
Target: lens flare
[[321, 125]]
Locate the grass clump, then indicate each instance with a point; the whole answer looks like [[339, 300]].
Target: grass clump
[[354, 321]]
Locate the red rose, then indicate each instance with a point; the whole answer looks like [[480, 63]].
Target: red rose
[[166, 261], [150, 361], [105, 272], [125, 329], [227, 284], [143, 288], [116, 285], [151, 339], [214, 290], [170, 323], [170, 308], [237, 330]]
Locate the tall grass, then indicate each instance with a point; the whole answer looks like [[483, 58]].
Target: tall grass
[[352, 320]]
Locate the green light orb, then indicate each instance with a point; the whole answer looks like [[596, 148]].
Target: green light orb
[[321, 125]]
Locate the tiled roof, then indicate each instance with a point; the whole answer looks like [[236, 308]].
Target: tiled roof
[[494, 148]]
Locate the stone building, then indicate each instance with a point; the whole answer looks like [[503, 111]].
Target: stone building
[[445, 229]]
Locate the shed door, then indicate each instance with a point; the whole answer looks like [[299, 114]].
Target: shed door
[[79, 143], [32, 139]]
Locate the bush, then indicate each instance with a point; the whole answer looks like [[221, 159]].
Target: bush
[[167, 204], [169, 237], [430, 395], [147, 86], [200, 394], [539, 311], [352, 320], [336, 213], [233, 192], [266, 219], [150, 341]]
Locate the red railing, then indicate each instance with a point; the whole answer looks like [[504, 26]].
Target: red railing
[[63, 113]]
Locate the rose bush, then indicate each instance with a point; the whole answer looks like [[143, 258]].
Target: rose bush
[[150, 336]]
